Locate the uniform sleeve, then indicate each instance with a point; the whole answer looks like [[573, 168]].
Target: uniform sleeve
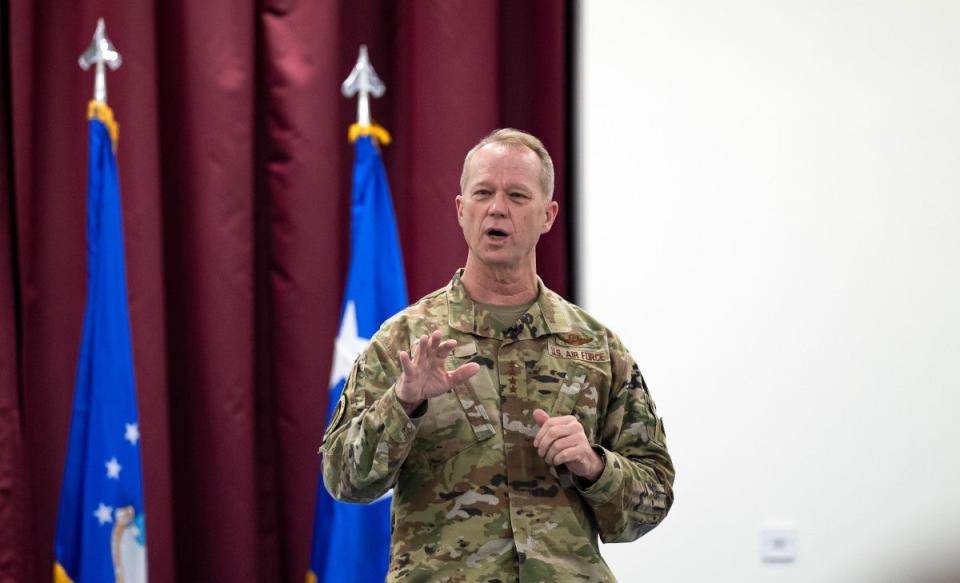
[[370, 435], [635, 490]]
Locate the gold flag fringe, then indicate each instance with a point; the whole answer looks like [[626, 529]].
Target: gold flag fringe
[[102, 112], [357, 130]]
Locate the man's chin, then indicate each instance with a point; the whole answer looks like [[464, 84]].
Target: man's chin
[[500, 260], [498, 257]]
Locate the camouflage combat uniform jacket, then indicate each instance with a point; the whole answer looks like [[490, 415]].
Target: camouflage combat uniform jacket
[[472, 500]]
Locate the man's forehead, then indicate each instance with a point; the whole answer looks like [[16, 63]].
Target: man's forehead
[[514, 156], [510, 148]]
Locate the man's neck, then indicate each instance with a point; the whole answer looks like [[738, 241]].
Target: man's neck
[[500, 285]]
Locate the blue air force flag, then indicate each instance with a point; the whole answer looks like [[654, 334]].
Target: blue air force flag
[[352, 542], [100, 527]]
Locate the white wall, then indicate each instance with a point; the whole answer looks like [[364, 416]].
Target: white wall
[[770, 218]]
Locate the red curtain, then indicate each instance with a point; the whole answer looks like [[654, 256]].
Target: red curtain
[[234, 170]]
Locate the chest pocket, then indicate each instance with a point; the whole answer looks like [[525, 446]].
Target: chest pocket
[[457, 420], [582, 393]]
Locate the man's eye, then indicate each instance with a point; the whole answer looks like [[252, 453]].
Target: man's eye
[[518, 195], [482, 193]]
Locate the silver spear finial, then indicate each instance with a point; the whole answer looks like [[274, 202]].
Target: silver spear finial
[[101, 52], [363, 80]]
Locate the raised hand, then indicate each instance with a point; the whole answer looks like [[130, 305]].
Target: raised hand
[[562, 440], [425, 375]]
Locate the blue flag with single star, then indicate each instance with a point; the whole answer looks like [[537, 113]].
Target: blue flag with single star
[[100, 527], [351, 542]]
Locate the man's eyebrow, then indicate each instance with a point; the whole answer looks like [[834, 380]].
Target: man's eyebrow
[[520, 187], [513, 187]]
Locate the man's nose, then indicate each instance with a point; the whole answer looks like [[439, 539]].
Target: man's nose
[[498, 204]]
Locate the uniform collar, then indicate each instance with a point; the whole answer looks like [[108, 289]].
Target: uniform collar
[[549, 314]]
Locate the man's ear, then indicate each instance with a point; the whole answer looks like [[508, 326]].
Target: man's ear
[[551, 215], [459, 201]]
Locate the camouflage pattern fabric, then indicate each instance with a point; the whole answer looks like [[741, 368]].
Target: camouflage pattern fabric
[[472, 499]]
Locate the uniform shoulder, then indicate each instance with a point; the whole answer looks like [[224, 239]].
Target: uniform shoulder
[[580, 320], [577, 316], [428, 308]]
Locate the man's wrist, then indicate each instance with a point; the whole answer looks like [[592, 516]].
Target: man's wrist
[[409, 407], [603, 460], [601, 463]]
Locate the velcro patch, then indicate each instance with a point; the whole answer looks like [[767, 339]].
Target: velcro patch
[[573, 339], [337, 418], [468, 349], [584, 354]]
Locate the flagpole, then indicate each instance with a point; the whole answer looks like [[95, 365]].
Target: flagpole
[[101, 523], [364, 83], [351, 542], [101, 53]]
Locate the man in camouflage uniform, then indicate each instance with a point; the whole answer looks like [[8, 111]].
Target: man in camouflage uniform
[[520, 428]]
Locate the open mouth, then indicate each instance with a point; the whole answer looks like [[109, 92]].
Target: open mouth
[[496, 234]]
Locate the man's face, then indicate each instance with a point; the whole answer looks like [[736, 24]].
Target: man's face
[[503, 210]]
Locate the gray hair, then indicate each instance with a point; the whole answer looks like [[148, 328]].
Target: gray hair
[[512, 137]]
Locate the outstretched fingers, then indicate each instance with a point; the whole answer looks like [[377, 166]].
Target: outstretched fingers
[[425, 370], [434, 347], [421, 350], [463, 372], [444, 348]]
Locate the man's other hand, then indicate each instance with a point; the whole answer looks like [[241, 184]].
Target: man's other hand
[[562, 440], [425, 375]]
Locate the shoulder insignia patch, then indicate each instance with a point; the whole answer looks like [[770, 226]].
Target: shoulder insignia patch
[[338, 415]]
